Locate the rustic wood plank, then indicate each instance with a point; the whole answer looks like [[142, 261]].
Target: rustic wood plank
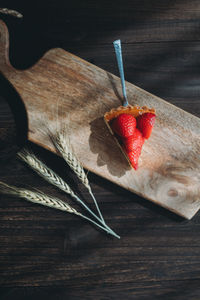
[[168, 241], [30, 232], [96, 23]]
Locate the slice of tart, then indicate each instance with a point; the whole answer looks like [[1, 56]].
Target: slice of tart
[[130, 125]]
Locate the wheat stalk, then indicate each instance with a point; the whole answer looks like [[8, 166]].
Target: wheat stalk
[[61, 142], [45, 172], [11, 12], [68, 155], [50, 176], [36, 197], [65, 150], [43, 199]]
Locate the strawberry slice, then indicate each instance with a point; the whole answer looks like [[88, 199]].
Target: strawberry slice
[[133, 146], [134, 156], [124, 125], [134, 141], [145, 123]]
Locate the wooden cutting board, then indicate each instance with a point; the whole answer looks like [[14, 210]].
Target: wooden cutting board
[[64, 90]]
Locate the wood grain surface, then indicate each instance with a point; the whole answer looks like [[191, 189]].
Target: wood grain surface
[[62, 90], [48, 254]]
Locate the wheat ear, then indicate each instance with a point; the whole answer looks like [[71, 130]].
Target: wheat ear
[[11, 12], [68, 155], [43, 199], [50, 176]]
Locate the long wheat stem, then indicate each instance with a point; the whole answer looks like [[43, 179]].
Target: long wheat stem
[[50, 176], [43, 199], [66, 152]]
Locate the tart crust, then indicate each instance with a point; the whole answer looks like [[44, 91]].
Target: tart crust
[[132, 110]]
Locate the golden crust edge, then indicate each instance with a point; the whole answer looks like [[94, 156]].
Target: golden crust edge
[[135, 110]]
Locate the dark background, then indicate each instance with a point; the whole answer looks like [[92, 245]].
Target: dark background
[[45, 253]]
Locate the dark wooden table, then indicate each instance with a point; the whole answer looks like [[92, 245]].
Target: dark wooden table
[[47, 254]]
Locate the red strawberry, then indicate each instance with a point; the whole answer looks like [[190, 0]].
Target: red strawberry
[[134, 156], [145, 124], [133, 146], [134, 141], [124, 125]]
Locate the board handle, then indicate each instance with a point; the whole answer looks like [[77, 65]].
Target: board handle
[[4, 48]]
